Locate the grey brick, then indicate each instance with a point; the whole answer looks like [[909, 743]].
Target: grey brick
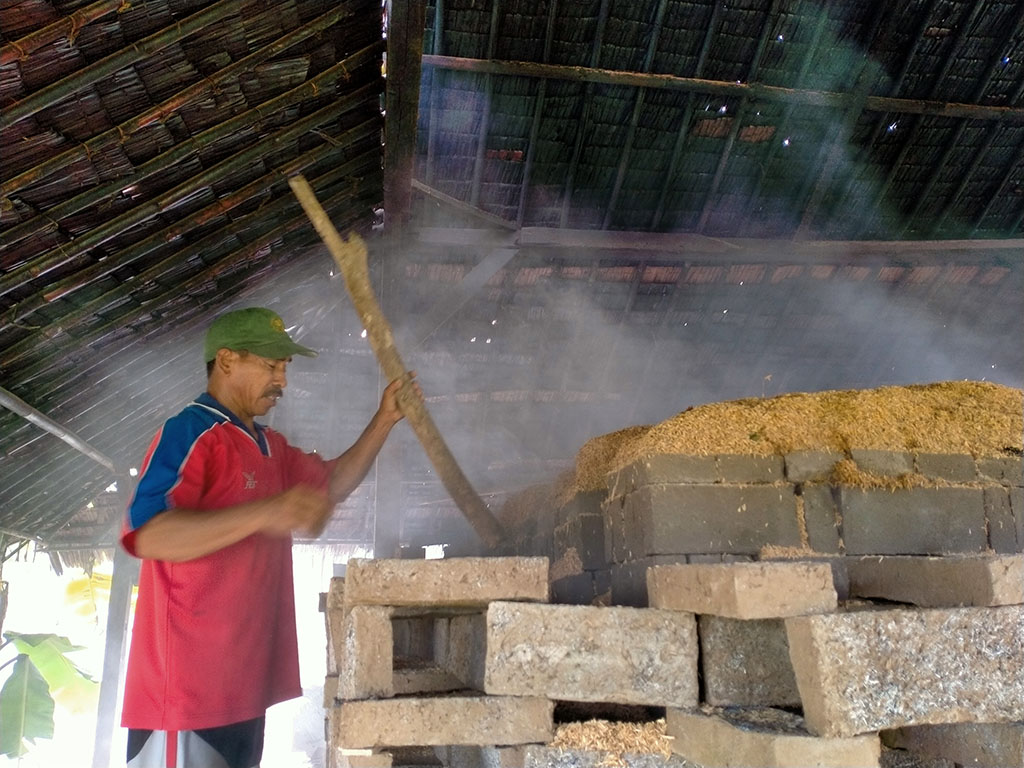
[[915, 521], [575, 589], [694, 519], [954, 467], [615, 529], [662, 468], [890, 463], [585, 533], [740, 468], [1017, 506], [629, 580], [1005, 469], [585, 503], [820, 517], [1002, 530], [986, 745], [745, 663], [804, 466]]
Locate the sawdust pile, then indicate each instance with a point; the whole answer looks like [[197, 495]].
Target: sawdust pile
[[615, 738], [969, 417]]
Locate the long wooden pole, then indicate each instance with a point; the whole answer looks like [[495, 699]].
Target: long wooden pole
[[350, 256]]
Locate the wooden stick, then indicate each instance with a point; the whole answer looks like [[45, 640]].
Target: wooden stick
[[350, 256]]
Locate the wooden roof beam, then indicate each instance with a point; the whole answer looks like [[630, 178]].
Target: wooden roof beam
[[46, 222], [754, 91], [685, 246], [93, 73], [281, 207], [121, 132], [64, 254], [68, 27], [465, 208]]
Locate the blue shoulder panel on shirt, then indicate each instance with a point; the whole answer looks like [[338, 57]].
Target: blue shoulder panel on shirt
[[163, 471]]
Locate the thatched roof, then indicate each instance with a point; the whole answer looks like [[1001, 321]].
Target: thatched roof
[[695, 198]]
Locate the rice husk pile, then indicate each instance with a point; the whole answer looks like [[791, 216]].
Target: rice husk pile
[[593, 460], [966, 417], [615, 738]]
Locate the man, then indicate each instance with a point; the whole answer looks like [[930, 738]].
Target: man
[[214, 641]]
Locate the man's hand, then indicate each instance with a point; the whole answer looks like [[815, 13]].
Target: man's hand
[[301, 509], [397, 396]]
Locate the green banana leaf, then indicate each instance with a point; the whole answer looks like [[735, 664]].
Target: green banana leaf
[[68, 684], [26, 709]]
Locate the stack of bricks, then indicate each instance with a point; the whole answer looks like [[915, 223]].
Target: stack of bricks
[[459, 662], [667, 509], [941, 676], [467, 658]]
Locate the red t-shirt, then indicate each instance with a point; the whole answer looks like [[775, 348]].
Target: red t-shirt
[[214, 638]]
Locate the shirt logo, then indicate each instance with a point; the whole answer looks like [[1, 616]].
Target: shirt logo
[[250, 480]]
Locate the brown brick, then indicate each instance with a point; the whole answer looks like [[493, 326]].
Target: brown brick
[[939, 582], [698, 519], [908, 667], [766, 738], [442, 720], [455, 582], [745, 663], [762, 590], [984, 745], [592, 654], [366, 671], [914, 521]]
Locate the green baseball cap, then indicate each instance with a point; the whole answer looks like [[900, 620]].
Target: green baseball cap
[[260, 331]]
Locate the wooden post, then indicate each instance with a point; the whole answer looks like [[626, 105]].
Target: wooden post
[[123, 579]]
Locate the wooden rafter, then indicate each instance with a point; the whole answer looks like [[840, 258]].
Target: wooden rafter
[[582, 123], [872, 214], [737, 121], [93, 73], [281, 207], [121, 132], [634, 120], [684, 124], [68, 27], [461, 207], [538, 113], [65, 254], [787, 112], [753, 91], [485, 116], [46, 221], [954, 140]]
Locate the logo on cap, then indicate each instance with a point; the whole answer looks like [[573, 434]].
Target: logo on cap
[[277, 324]]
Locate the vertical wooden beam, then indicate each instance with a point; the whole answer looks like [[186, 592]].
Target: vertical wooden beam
[[401, 99], [123, 579]]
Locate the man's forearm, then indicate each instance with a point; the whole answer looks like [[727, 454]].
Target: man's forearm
[[177, 535], [351, 467]]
